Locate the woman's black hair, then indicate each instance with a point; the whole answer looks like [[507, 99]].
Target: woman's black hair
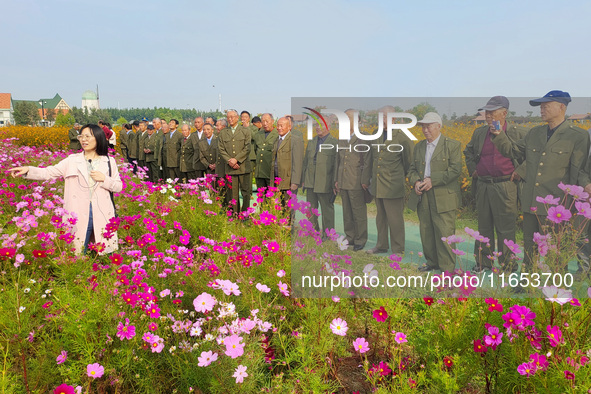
[[127, 126], [102, 146]]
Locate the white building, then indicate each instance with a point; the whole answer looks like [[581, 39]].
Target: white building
[[6, 109], [90, 100]]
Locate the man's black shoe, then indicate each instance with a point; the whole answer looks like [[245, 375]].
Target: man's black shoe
[[425, 268], [357, 248]]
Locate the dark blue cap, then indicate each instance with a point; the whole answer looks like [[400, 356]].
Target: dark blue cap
[[553, 95], [145, 119]]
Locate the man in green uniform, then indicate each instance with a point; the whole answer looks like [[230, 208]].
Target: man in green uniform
[[196, 136], [389, 162], [187, 154], [496, 183], [151, 146], [351, 159], [133, 144], [73, 137], [174, 139], [553, 153], [434, 173], [234, 148], [318, 177], [141, 155], [208, 149], [264, 141]]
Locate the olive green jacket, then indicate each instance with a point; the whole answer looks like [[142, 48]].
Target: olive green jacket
[[263, 147], [153, 143], [320, 176], [73, 137], [387, 170], [446, 167], [187, 154], [141, 145], [173, 148], [351, 162], [290, 157], [208, 153], [132, 144], [236, 146], [547, 163]]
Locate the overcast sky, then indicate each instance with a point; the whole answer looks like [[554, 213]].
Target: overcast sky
[[259, 54]]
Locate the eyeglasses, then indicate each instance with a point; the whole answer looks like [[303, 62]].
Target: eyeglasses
[[85, 137]]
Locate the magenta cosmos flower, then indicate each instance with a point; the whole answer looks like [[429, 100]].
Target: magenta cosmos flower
[[64, 389], [204, 303], [95, 370], [494, 337], [361, 345], [526, 369], [125, 331], [62, 357], [339, 327], [554, 335], [559, 214], [380, 314], [400, 337], [494, 305]]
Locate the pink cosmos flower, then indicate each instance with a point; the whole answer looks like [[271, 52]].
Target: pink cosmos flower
[[380, 314], [559, 214], [204, 302], [234, 348], [152, 326], [283, 288], [125, 331], [361, 345], [494, 337], [569, 375], [147, 337], [525, 316], [62, 357], [400, 337], [240, 373], [281, 273], [526, 369], [64, 389], [262, 288], [513, 247], [339, 327], [549, 199], [554, 294], [494, 305], [95, 370], [207, 358], [583, 209], [554, 335], [157, 344], [384, 369]]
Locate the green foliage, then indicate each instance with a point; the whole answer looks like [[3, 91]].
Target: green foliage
[[66, 119], [26, 113], [121, 120]]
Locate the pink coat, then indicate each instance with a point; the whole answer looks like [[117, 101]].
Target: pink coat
[[77, 195]]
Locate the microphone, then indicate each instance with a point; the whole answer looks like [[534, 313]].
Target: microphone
[[90, 161]]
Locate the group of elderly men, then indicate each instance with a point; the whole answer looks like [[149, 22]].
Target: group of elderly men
[[234, 149], [508, 165], [501, 158]]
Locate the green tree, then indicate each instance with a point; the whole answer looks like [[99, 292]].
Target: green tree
[[121, 120], [26, 113], [421, 109], [66, 119]]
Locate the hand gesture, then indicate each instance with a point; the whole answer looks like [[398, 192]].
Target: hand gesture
[[18, 171], [97, 176]]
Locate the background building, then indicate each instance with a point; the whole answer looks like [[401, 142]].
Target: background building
[[90, 100], [6, 109]]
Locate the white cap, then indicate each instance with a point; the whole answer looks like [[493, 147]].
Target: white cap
[[431, 117]]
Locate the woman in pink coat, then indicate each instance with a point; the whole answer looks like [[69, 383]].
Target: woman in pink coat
[[89, 183]]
